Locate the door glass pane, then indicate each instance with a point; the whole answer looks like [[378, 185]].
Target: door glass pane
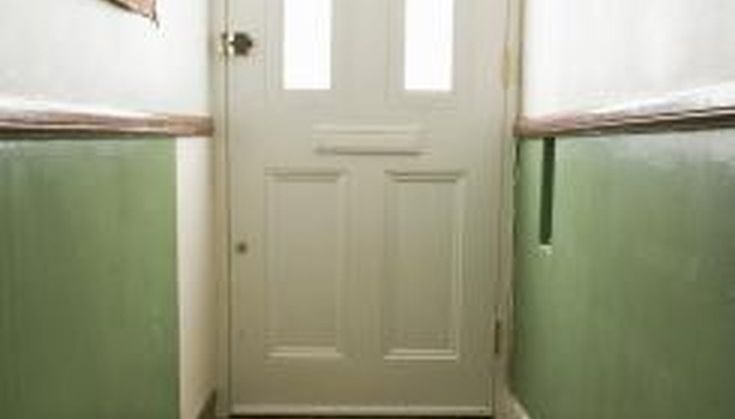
[[307, 44], [429, 45]]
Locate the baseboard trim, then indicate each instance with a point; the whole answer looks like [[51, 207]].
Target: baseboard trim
[[209, 410], [518, 411], [361, 411]]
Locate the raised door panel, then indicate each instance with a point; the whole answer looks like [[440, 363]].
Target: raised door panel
[[306, 263], [423, 257]]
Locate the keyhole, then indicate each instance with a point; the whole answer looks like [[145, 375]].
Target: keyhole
[[241, 248]]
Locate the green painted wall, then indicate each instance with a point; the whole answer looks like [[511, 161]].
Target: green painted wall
[[88, 280], [632, 313]]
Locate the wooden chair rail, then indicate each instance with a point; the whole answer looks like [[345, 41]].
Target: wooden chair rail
[[20, 116], [703, 109]]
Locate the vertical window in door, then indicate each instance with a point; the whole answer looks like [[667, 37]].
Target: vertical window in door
[[429, 45], [307, 44]]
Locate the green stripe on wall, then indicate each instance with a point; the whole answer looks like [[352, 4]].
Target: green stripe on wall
[[89, 320], [7, 372]]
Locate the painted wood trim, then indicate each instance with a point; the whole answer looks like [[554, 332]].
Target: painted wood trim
[[209, 410], [361, 411], [517, 411], [51, 118], [704, 109]]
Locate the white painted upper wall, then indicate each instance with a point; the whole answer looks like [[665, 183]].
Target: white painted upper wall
[[589, 53], [197, 275], [88, 51]]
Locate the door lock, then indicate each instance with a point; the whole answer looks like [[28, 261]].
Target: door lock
[[241, 248], [237, 44]]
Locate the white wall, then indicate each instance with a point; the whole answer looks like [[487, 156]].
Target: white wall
[[588, 53], [90, 52], [197, 279]]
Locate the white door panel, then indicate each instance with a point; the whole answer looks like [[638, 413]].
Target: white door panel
[[370, 209]]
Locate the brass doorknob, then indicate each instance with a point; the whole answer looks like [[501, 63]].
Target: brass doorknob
[[237, 43]]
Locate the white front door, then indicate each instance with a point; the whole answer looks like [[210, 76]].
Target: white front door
[[365, 151]]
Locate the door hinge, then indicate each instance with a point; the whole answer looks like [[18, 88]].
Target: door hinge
[[498, 338], [237, 44]]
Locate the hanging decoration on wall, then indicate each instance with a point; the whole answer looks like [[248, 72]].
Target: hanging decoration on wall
[[146, 8]]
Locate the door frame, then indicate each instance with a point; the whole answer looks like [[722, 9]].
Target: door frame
[[503, 305], [503, 397]]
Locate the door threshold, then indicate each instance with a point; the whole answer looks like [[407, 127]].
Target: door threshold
[[361, 411]]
